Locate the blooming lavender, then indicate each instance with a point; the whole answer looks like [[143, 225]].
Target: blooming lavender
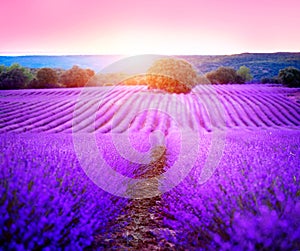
[[46, 200], [251, 201]]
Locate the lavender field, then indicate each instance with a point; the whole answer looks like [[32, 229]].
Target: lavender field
[[235, 185]]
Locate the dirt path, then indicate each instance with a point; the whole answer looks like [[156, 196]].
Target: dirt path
[[139, 228]]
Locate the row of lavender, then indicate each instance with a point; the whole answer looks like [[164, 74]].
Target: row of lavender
[[206, 108], [252, 202], [46, 200]]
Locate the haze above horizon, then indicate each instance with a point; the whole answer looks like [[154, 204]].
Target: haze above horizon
[[192, 27]]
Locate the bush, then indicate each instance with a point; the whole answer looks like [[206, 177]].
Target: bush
[[167, 84], [76, 77], [2, 68], [172, 75], [270, 80], [35, 84], [90, 73], [14, 77], [290, 76], [223, 75], [45, 78], [244, 73]]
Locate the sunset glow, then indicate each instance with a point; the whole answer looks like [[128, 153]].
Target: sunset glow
[[156, 27]]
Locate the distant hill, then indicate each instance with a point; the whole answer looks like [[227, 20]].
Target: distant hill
[[260, 64], [95, 62]]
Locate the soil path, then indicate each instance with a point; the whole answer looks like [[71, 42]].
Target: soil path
[[140, 226]]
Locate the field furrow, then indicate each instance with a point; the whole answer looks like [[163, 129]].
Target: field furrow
[[122, 108]]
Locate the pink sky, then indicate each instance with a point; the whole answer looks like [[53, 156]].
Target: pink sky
[[148, 26]]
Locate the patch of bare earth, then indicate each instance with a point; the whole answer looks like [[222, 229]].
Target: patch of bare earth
[[140, 226]]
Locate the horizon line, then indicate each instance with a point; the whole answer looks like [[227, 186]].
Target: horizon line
[[12, 54]]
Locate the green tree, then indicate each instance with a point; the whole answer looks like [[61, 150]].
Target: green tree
[[172, 75], [289, 76], [90, 72], [244, 73], [2, 68], [223, 75], [46, 76], [13, 79], [273, 80], [76, 77], [26, 71]]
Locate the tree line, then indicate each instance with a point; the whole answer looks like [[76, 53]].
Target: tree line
[[18, 77], [168, 74]]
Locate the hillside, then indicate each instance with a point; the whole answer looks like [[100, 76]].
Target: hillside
[[261, 64]]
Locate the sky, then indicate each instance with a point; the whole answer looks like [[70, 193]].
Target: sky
[[133, 27]]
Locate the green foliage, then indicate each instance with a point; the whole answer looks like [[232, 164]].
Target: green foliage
[[2, 68], [26, 71], [166, 83], [224, 75], [274, 80], [13, 79], [76, 77], [45, 78], [244, 72], [90, 73], [13, 66], [172, 75], [290, 76]]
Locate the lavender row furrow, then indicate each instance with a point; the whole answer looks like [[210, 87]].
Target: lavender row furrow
[[207, 107]]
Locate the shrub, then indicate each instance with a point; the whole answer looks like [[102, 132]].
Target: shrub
[[172, 75], [223, 75], [35, 84], [90, 73], [289, 76], [273, 80], [167, 84], [2, 68], [45, 78], [76, 77], [244, 73], [26, 71], [13, 79]]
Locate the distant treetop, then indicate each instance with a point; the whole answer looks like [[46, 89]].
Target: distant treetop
[[290, 76], [172, 75]]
